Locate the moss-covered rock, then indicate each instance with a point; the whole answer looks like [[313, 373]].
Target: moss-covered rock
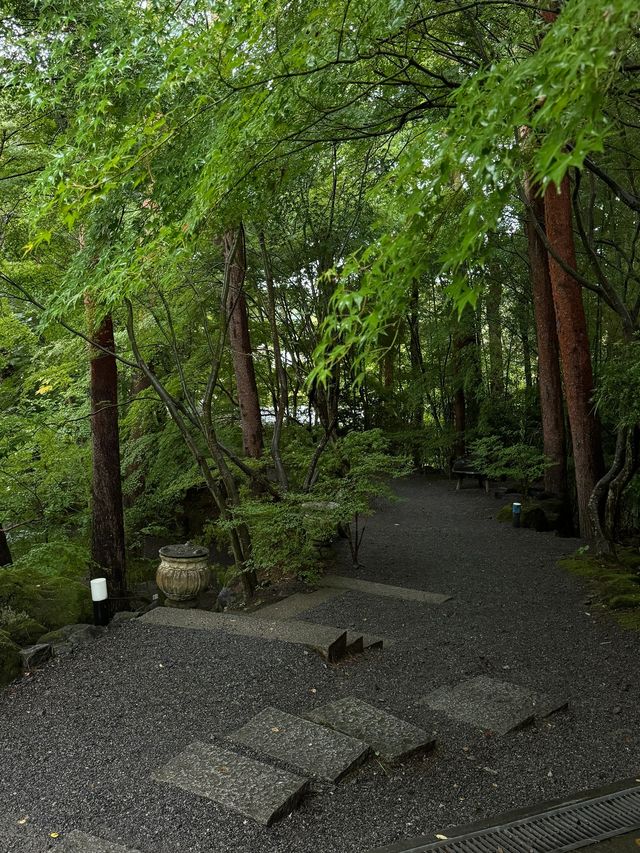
[[53, 637], [50, 601], [24, 630], [10, 660], [539, 515]]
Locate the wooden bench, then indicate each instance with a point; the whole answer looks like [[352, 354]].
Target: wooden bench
[[464, 468]]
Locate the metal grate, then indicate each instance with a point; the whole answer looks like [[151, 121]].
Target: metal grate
[[568, 827]]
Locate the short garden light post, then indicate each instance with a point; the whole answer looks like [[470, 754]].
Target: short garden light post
[[516, 509], [100, 598]]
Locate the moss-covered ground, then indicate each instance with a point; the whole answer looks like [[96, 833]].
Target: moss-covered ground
[[615, 580]]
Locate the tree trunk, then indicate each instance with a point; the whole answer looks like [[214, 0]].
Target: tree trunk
[[107, 522], [620, 482], [549, 380], [466, 374], [574, 350], [240, 340], [494, 323], [5, 551], [416, 358], [281, 374]]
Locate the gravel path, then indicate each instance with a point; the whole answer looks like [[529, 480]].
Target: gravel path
[[80, 738]]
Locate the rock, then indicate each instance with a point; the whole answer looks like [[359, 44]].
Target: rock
[[34, 656], [121, 617], [226, 597], [24, 630], [540, 515], [10, 660]]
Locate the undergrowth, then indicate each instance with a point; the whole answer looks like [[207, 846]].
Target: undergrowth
[[615, 580]]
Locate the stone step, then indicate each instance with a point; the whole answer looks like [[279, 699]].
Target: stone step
[[251, 788], [492, 705], [315, 750], [80, 842], [358, 643], [300, 602], [392, 738], [383, 589], [328, 641]]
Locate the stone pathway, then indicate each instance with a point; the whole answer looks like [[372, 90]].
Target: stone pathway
[[314, 750], [492, 705], [189, 699], [383, 589], [252, 788], [393, 739]]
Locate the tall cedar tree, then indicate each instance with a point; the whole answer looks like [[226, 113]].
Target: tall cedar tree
[[549, 379], [107, 525], [574, 349]]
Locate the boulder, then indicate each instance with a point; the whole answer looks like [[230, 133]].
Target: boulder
[[36, 655], [10, 659]]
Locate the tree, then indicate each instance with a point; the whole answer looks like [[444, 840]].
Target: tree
[[240, 341], [574, 349], [549, 380]]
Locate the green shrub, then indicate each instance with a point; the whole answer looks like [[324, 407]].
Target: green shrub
[[20, 627], [521, 462], [10, 660]]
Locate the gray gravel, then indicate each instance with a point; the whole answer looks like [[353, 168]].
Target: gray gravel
[[80, 738]]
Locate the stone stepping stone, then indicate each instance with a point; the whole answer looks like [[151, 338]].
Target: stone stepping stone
[[330, 642], [383, 589], [392, 738], [492, 705], [313, 749], [300, 602], [358, 643], [79, 842], [251, 788]]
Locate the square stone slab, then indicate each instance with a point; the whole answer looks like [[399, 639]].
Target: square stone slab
[[299, 602], [393, 739], [79, 842], [315, 750], [255, 790], [383, 589], [492, 705], [328, 641]]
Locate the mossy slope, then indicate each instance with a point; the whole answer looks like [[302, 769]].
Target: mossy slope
[[615, 579]]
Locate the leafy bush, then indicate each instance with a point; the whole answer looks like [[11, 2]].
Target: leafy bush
[[521, 462], [286, 534]]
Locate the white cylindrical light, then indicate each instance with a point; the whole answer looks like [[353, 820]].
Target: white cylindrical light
[[99, 589]]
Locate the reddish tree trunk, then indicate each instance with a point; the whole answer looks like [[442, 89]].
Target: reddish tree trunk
[[549, 380], [5, 551], [107, 525], [240, 341], [574, 349]]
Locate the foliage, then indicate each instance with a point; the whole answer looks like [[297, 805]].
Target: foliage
[[520, 462]]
